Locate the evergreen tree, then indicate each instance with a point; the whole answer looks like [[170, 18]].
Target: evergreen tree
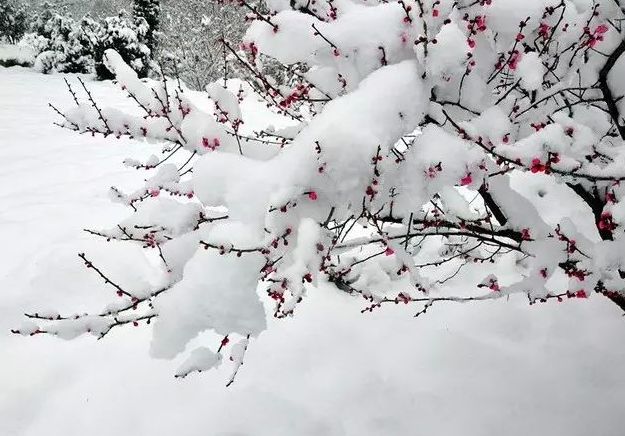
[[13, 20], [125, 36], [80, 45], [150, 11], [38, 25]]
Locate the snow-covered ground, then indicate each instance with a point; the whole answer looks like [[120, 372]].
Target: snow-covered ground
[[489, 369]]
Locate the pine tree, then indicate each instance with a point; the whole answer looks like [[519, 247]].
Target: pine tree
[[150, 11], [13, 20], [81, 42], [38, 26], [126, 36]]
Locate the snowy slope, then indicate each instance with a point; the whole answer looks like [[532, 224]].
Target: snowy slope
[[489, 369]]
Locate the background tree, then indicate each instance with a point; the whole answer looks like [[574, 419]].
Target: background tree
[[13, 20], [150, 11], [191, 36], [78, 8], [45, 12], [125, 35], [393, 174]]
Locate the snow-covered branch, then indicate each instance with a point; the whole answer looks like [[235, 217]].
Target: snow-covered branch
[[404, 126]]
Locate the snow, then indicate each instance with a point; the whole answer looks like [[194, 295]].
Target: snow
[[450, 51], [201, 359], [214, 290], [352, 52], [474, 369], [530, 71]]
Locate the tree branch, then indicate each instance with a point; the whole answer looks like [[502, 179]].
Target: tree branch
[[605, 88]]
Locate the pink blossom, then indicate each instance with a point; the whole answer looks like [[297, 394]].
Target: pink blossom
[[601, 29], [466, 180]]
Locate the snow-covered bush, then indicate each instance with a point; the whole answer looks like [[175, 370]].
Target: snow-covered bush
[[16, 55], [394, 170], [150, 11], [13, 21], [63, 45], [125, 35], [67, 46]]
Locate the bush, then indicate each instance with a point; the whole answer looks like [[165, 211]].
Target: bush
[[16, 55], [66, 46], [63, 45]]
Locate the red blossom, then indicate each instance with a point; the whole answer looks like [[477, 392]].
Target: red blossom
[[404, 298], [514, 60], [537, 166], [480, 22], [466, 180], [601, 29], [605, 222]]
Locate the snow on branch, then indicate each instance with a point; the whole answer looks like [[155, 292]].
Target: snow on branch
[[403, 126]]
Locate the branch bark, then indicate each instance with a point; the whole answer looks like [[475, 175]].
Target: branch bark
[[493, 206], [596, 205], [605, 88]]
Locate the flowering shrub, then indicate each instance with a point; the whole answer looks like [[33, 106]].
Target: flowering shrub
[[407, 125]]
